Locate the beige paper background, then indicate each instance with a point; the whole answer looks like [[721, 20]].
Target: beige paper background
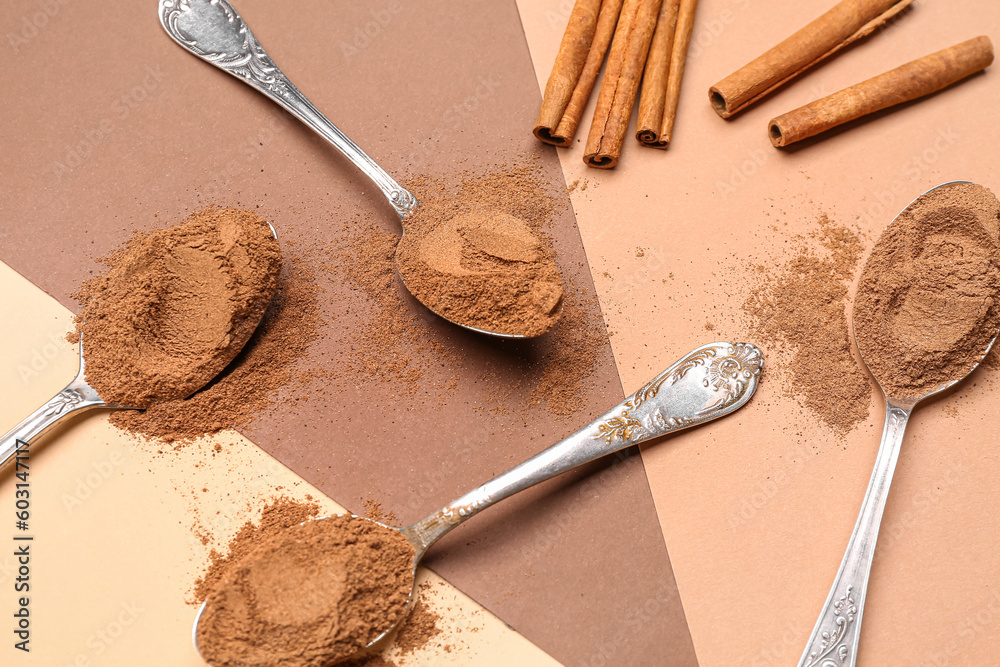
[[117, 523], [757, 509]]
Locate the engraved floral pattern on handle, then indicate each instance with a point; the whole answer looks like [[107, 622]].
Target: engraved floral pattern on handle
[[251, 62], [730, 373], [403, 201], [214, 31], [835, 638], [833, 641], [63, 402]]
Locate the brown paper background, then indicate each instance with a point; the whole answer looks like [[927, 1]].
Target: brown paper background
[[110, 126], [757, 510]]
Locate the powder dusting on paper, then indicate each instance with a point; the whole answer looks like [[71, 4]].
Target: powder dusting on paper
[[798, 308], [397, 343]]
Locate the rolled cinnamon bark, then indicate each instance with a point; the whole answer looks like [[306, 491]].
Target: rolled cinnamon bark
[[654, 78], [908, 82], [685, 26], [581, 54], [621, 82], [846, 22]]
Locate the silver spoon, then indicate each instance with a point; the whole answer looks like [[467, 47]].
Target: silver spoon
[[834, 640], [79, 396], [710, 382], [214, 31]]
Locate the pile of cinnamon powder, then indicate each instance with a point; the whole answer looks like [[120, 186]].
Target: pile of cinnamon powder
[[798, 309], [176, 306], [471, 260], [311, 595], [400, 347], [249, 385], [278, 514], [929, 298], [417, 631]]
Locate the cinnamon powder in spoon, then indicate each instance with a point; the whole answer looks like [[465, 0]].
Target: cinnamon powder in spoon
[[176, 306], [929, 298], [311, 595], [473, 260]]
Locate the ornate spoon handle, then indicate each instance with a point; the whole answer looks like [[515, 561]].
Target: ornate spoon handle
[[834, 640], [710, 382], [214, 31], [78, 395]]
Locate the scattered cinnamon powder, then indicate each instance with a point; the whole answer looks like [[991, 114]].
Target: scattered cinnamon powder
[[399, 345], [396, 342], [568, 356], [248, 386], [311, 595], [799, 308], [369, 661], [176, 306], [375, 512], [928, 303], [471, 257], [420, 628]]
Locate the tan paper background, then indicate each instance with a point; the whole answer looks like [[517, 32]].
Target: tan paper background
[[758, 510]]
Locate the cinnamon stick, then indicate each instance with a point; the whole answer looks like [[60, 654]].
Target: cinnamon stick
[[621, 82], [908, 82], [581, 54], [846, 22], [661, 85], [654, 79]]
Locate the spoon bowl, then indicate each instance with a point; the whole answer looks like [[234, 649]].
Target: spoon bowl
[[79, 396], [835, 638], [215, 32], [710, 382]]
